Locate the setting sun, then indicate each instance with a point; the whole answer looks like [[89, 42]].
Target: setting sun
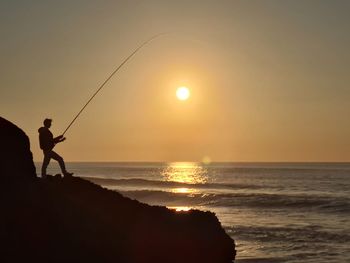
[[182, 93]]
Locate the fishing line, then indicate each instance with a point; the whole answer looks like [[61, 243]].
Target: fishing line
[[110, 76]]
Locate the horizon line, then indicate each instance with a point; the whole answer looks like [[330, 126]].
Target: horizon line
[[247, 162]]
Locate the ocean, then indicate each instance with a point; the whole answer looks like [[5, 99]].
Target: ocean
[[275, 212]]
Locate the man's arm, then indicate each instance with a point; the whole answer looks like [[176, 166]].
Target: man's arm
[[59, 139]]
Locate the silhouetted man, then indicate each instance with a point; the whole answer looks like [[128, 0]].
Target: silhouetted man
[[47, 143]]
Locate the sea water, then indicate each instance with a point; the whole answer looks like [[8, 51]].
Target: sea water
[[275, 212]]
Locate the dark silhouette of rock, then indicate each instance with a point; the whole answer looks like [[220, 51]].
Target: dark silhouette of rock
[[16, 159], [74, 220]]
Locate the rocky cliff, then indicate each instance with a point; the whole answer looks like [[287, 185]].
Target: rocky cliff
[[73, 220], [16, 159]]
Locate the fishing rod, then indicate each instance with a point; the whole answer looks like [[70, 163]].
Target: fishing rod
[[110, 76]]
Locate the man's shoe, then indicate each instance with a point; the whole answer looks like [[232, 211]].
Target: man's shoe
[[67, 174]]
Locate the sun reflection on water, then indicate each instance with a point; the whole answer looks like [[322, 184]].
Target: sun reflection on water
[[180, 208], [185, 172], [183, 190]]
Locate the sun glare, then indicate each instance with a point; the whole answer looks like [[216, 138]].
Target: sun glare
[[182, 93], [185, 172]]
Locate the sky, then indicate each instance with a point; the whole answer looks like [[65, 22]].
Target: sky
[[269, 80]]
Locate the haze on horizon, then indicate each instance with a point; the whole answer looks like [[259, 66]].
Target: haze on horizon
[[269, 80]]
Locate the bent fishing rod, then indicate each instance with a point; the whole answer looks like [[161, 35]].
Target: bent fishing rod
[[110, 76]]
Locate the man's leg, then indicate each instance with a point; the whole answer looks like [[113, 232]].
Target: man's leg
[[60, 160], [46, 162]]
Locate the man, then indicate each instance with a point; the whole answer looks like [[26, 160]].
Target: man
[[47, 143]]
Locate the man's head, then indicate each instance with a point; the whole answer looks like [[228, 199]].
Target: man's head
[[47, 123]]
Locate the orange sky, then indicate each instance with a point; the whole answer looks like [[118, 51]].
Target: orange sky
[[269, 80]]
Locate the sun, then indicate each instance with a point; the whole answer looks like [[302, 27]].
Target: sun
[[182, 93]]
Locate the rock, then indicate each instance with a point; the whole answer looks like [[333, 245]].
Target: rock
[[16, 159], [74, 220]]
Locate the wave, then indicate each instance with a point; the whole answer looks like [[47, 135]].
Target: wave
[[296, 236], [263, 200], [167, 184], [240, 200], [299, 243], [162, 192]]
